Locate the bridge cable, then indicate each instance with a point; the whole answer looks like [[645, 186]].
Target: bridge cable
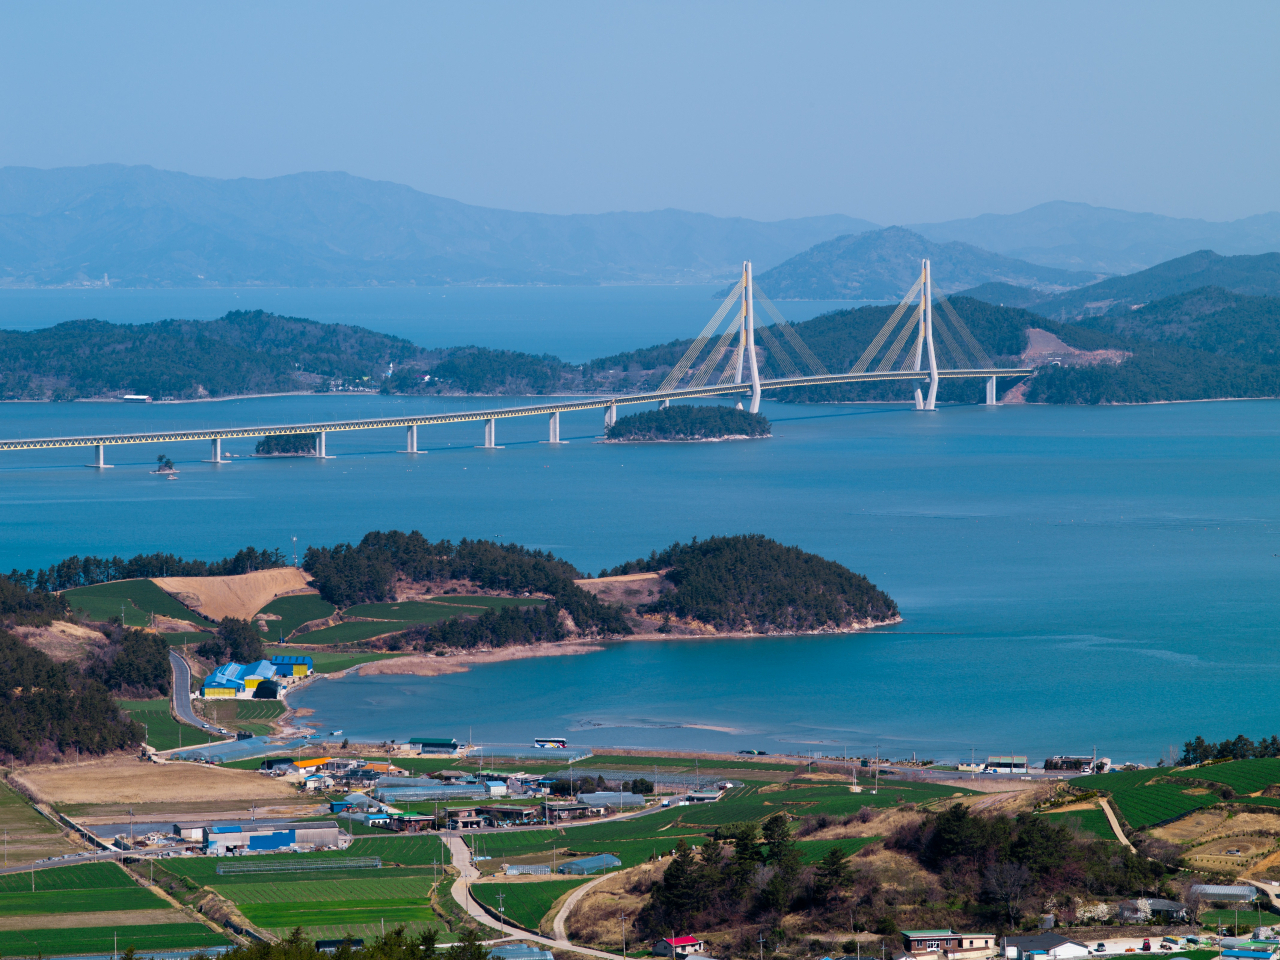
[[910, 362], [713, 358], [731, 367], [865, 360], [814, 364], [958, 356], [681, 368], [896, 349], [777, 354], [964, 332]]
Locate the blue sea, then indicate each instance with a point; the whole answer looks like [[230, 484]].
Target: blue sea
[[1069, 577]]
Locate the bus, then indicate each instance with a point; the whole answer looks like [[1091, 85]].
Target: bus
[[552, 743]]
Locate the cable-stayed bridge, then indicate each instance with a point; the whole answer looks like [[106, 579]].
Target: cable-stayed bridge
[[718, 363]]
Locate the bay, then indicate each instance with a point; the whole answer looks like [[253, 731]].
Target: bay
[[1068, 576], [574, 323]]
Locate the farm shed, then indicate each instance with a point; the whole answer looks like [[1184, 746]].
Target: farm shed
[[1226, 894]]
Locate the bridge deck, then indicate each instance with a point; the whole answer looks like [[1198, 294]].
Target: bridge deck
[[500, 413]]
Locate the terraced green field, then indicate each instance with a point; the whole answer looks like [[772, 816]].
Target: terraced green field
[[81, 876], [526, 902], [1242, 776], [348, 633], [140, 599], [411, 611], [294, 612], [162, 728], [1142, 803], [103, 940], [182, 639], [812, 851]]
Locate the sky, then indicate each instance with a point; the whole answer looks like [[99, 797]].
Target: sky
[[898, 113]]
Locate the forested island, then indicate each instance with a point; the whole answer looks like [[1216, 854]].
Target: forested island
[[687, 423]]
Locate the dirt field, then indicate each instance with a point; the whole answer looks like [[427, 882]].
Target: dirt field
[[883, 825], [241, 597], [437, 666], [111, 918], [63, 641], [1208, 824], [130, 780], [30, 836]]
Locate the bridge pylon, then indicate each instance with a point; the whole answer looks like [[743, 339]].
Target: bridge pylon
[[748, 351], [926, 337]]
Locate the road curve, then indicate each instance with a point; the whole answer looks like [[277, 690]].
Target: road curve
[[182, 692], [461, 855]]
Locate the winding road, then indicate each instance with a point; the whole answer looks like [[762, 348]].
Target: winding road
[[182, 692], [467, 872]]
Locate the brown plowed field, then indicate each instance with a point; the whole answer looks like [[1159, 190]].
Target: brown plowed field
[[241, 596], [129, 780]]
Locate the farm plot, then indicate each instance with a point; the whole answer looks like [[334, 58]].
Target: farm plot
[[344, 914], [81, 876], [1146, 804], [30, 836], [525, 903], [79, 901], [812, 851], [104, 940], [522, 843], [294, 612], [162, 730], [632, 853], [1242, 776], [1091, 824], [400, 889], [349, 632], [139, 598]]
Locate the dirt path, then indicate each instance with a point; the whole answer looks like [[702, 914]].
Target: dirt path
[[1115, 824], [557, 925]]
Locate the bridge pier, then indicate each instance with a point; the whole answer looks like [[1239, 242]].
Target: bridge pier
[[99, 457], [411, 439], [991, 392], [215, 451], [665, 404], [489, 431], [320, 451], [610, 415], [553, 428]]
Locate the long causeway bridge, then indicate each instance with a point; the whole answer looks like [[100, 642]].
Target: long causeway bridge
[[732, 360]]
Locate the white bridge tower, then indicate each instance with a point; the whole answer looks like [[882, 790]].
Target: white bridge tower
[[926, 338], [747, 349]]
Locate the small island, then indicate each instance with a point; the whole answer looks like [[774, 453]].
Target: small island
[[286, 445], [689, 424]]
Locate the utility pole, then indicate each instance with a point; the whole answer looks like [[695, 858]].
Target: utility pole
[[623, 918], [760, 940], [502, 910]]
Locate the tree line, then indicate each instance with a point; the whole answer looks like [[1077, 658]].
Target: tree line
[[753, 582], [1241, 748], [85, 571], [367, 573]]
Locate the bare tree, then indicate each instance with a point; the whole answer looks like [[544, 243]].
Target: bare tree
[[1007, 884]]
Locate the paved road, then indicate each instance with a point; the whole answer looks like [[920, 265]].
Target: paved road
[[182, 692], [467, 872]]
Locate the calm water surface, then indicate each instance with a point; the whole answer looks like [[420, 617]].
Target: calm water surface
[[1069, 577]]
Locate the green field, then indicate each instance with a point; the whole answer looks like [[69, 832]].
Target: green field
[[1145, 804], [161, 936], [461, 600], [140, 598], [182, 639], [162, 728], [1093, 824], [399, 889], [410, 611], [348, 632], [325, 662], [343, 913], [812, 851], [1242, 776], [526, 902], [81, 876], [294, 612], [26, 903], [1248, 915], [30, 836]]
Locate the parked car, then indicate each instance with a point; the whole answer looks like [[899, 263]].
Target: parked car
[[1100, 948]]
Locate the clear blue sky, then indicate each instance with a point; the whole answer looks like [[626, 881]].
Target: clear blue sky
[[900, 112]]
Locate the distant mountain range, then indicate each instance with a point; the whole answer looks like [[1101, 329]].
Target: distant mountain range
[[1077, 236], [883, 264], [146, 227], [1257, 276]]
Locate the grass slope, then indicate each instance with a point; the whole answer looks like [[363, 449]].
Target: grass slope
[[1093, 824], [30, 837], [348, 633], [525, 903], [162, 728], [140, 598], [294, 612]]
